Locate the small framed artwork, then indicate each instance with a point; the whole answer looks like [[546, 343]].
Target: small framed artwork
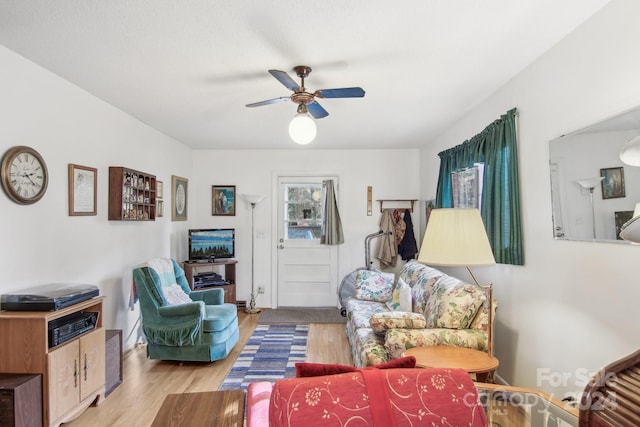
[[160, 208], [159, 189], [613, 182], [179, 191], [223, 200], [83, 184]]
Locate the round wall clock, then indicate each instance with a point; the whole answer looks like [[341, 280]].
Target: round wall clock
[[24, 175]]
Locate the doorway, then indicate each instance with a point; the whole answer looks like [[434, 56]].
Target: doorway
[[307, 272]]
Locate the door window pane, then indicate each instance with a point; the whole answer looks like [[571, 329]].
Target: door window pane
[[303, 210]]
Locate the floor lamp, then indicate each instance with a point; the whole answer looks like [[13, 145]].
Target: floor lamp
[[457, 237], [253, 200], [590, 184]]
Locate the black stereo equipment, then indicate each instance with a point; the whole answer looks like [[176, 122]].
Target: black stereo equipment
[[68, 327], [208, 279], [48, 297]]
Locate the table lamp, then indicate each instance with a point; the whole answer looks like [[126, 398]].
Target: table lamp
[[457, 237]]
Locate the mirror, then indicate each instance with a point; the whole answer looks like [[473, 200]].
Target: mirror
[[592, 192]]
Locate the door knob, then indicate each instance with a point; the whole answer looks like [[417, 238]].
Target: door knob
[[280, 246]]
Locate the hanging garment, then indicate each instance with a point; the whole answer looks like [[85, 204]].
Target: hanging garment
[[408, 247], [387, 252], [401, 226]]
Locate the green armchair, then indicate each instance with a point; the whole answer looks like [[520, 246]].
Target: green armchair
[[181, 324]]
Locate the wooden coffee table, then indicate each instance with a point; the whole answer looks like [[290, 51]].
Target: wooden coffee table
[[211, 408], [444, 356]]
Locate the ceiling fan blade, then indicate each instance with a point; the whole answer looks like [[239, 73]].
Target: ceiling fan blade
[[316, 110], [285, 79], [346, 92], [269, 101]]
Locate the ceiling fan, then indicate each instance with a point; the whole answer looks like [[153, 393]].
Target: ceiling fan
[[306, 100]]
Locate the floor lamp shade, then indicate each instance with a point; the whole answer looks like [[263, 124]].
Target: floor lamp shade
[[456, 237]]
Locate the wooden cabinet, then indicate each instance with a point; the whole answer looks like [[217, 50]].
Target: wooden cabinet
[[132, 195], [20, 400], [73, 373], [192, 269]]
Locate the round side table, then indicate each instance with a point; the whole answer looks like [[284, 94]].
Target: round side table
[[443, 356]]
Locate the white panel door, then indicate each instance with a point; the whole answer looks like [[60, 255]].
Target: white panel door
[[307, 271]]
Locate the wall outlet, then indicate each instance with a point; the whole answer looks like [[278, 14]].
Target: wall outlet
[[260, 290]]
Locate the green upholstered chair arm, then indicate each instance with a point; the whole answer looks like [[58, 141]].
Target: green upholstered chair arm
[[213, 296], [192, 308]]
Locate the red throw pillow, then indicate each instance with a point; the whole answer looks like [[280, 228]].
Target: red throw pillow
[[306, 369]]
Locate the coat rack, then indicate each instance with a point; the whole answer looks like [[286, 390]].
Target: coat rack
[[408, 202]]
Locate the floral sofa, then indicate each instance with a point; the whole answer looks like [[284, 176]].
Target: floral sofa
[[421, 307]]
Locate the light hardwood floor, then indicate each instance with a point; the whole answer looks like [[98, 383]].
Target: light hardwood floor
[[146, 382]]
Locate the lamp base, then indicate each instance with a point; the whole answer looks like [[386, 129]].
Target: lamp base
[[252, 309]]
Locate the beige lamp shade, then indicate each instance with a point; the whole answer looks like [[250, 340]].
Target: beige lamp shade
[[630, 230], [456, 237]]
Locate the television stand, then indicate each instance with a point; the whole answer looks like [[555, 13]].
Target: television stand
[[228, 265]]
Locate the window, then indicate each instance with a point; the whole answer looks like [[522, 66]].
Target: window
[[303, 211], [467, 186]]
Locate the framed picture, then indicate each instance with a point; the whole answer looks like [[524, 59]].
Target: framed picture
[[160, 208], [223, 200], [179, 191], [159, 189], [613, 182], [83, 184]]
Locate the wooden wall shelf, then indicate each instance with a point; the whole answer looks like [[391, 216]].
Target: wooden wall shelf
[[132, 195], [408, 202]]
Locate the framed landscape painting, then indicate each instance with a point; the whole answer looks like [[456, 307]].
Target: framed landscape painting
[[613, 183], [223, 200]]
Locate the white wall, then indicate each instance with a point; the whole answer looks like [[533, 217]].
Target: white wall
[[571, 308], [40, 243], [391, 173]]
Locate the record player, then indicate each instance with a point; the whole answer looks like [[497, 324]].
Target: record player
[[51, 297]]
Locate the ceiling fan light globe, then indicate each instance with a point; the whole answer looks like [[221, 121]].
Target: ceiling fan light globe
[[630, 152], [302, 129]]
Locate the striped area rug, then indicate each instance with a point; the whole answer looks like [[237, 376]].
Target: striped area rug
[[269, 355]]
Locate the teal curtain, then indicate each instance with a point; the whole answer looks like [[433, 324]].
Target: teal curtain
[[497, 147]]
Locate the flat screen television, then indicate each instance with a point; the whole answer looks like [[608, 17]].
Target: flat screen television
[[212, 243]]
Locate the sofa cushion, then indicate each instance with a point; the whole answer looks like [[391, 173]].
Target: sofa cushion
[[308, 369], [396, 341], [453, 307], [374, 285], [401, 298], [420, 292], [359, 312], [381, 322], [409, 397], [219, 317]]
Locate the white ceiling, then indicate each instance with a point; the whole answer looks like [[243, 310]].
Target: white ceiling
[[187, 68]]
